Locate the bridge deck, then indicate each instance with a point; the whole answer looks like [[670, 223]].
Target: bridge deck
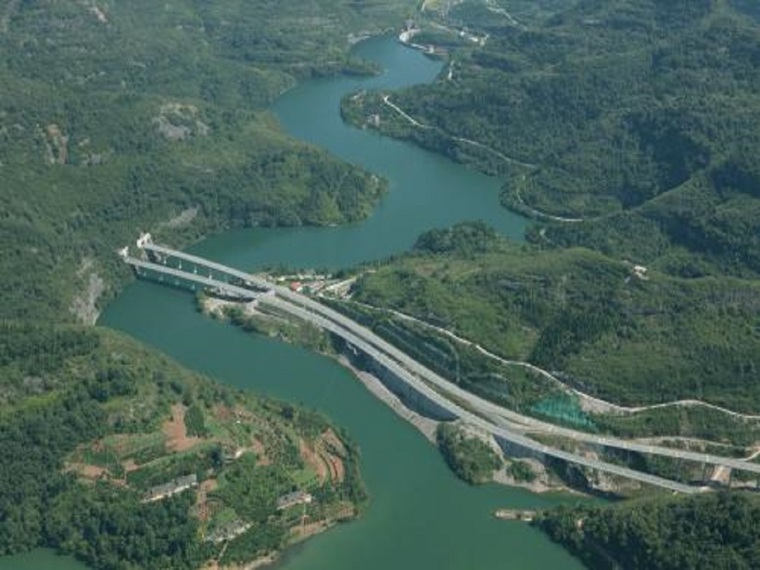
[[257, 281]]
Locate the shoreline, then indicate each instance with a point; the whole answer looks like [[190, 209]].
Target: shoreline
[[427, 427]]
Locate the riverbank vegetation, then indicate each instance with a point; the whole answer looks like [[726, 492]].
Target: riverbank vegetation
[[269, 322], [704, 531], [472, 459], [624, 129], [638, 287], [633, 115]]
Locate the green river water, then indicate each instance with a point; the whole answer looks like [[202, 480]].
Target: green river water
[[420, 515]]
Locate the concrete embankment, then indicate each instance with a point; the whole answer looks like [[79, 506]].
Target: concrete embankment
[[426, 426]]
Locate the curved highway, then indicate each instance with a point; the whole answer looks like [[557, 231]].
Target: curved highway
[[493, 418]]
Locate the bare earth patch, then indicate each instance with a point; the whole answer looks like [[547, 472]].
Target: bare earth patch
[[96, 11], [314, 461], [306, 530], [261, 453], [84, 304], [184, 218], [57, 145], [333, 442], [201, 504], [222, 413], [329, 448], [129, 465], [177, 121], [337, 471], [176, 432], [92, 472], [324, 457]]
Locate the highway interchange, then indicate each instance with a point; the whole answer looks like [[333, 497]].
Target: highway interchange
[[504, 424]]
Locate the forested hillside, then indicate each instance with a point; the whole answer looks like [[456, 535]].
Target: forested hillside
[[117, 117], [627, 129], [638, 116], [708, 531], [94, 427], [603, 326]]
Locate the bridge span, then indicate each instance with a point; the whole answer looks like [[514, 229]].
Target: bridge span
[[212, 285], [501, 422]]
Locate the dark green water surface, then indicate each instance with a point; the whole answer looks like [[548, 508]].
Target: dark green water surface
[[420, 515], [425, 190]]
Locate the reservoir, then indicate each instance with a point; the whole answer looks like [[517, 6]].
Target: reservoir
[[420, 516]]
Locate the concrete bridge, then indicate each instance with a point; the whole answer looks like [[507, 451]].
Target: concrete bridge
[[207, 283], [505, 425]]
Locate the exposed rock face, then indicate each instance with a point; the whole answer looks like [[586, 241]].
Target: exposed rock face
[[84, 305], [177, 122], [184, 218], [57, 145]]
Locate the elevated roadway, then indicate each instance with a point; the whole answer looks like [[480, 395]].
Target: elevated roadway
[[214, 285]]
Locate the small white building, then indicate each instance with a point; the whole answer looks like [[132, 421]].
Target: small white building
[[173, 487], [292, 499]]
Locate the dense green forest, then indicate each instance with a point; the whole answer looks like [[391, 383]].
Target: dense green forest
[[470, 458], [627, 130], [707, 531], [117, 118], [637, 116]]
